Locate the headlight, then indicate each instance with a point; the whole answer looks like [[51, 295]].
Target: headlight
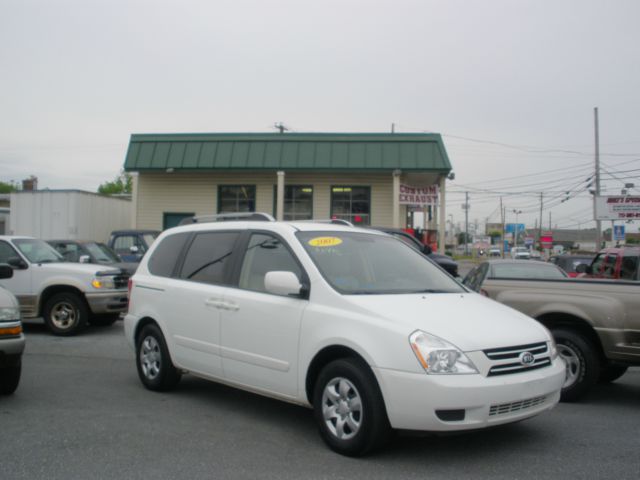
[[439, 357], [105, 283], [9, 313]]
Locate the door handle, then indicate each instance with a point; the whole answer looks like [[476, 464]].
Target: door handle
[[234, 307], [214, 302]]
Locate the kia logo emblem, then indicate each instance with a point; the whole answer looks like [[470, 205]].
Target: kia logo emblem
[[526, 358]]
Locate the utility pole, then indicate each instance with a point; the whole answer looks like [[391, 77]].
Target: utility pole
[[466, 223], [540, 226], [502, 215], [597, 194]]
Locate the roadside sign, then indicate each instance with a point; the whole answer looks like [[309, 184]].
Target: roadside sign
[[546, 240], [618, 233], [626, 207], [528, 241]]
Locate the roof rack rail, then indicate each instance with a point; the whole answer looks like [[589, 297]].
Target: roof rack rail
[[227, 217], [335, 221]]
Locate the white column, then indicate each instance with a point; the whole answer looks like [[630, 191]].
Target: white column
[[135, 190], [396, 199], [280, 197], [442, 227]]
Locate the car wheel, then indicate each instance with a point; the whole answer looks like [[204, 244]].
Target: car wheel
[[155, 369], [610, 373], [66, 313], [582, 364], [349, 408], [10, 378], [103, 320]]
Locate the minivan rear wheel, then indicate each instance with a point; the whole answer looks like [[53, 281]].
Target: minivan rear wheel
[[349, 408], [155, 369]]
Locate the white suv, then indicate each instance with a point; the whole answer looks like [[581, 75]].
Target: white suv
[[351, 322]]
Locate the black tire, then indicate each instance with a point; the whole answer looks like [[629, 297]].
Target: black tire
[[610, 373], [353, 431], [155, 369], [103, 320], [66, 314], [583, 365], [10, 378]]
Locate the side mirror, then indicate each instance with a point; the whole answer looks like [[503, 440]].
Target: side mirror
[[17, 263], [84, 259], [5, 271], [282, 283]]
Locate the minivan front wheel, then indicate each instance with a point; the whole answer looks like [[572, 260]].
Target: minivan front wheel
[[349, 408], [155, 369]]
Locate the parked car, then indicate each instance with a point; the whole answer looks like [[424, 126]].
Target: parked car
[[570, 263], [131, 245], [484, 274], [495, 252], [594, 322], [67, 295], [619, 263], [445, 262], [11, 337], [87, 251], [520, 253], [347, 321]]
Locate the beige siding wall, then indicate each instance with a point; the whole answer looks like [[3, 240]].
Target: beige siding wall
[[157, 193]]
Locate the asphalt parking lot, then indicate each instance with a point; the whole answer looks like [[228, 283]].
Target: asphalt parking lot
[[81, 412]]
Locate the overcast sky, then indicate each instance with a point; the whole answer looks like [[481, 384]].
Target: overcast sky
[[511, 85]]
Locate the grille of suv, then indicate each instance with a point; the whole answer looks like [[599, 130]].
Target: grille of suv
[[121, 281], [516, 406], [506, 360]]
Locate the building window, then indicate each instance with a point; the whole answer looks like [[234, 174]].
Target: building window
[[352, 204], [236, 198], [298, 202]]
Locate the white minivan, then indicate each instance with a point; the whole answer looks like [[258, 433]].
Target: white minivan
[[350, 322]]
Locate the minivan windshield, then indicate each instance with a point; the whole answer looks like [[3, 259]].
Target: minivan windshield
[[37, 251], [357, 263]]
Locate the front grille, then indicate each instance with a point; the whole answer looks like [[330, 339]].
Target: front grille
[[121, 281], [506, 360], [512, 407]]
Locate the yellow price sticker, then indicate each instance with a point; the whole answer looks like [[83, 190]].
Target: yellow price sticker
[[325, 241]]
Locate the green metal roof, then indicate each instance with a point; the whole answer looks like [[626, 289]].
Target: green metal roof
[[288, 151]]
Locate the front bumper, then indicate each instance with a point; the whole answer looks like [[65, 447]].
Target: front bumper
[[11, 347], [412, 399], [114, 301]]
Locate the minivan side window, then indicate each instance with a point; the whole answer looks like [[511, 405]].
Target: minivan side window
[[208, 257], [265, 253], [164, 257]]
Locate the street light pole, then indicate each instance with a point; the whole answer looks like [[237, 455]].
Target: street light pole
[[515, 242]]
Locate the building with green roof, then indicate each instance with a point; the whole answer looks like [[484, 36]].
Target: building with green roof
[[381, 179]]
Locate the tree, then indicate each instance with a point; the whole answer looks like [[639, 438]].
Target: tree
[[8, 187], [121, 184], [461, 238]]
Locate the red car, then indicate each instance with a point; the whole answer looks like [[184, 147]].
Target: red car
[[570, 263]]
